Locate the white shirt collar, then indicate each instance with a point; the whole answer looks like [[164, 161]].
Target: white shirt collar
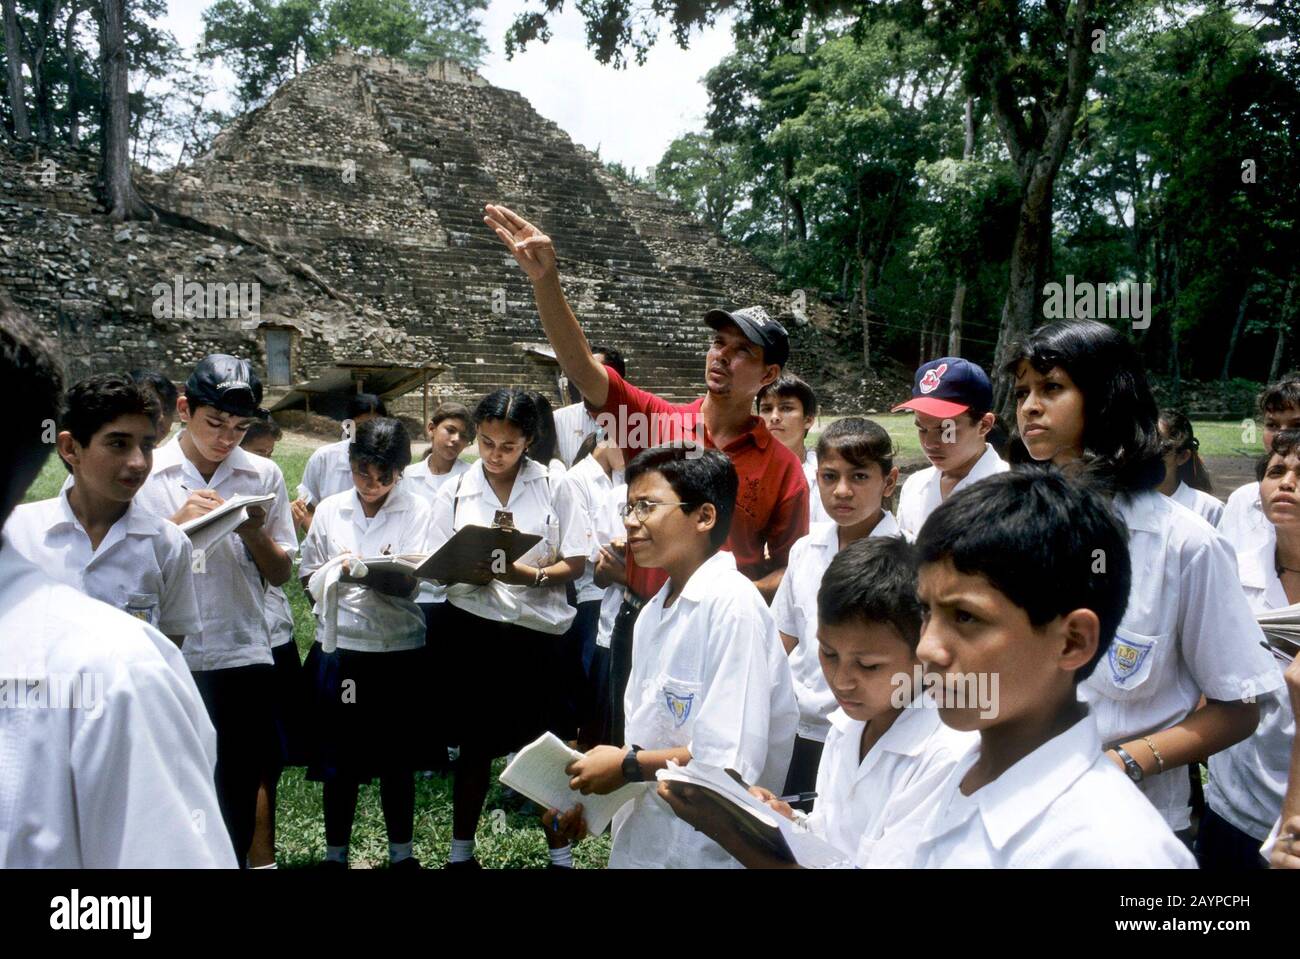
[[476, 483], [399, 501], [171, 456], [1022, 793], [702, 579], [827, 535], [1141, 510], [907, 736], [134, 521]]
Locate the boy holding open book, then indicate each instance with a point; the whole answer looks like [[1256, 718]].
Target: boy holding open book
[[709, 680]]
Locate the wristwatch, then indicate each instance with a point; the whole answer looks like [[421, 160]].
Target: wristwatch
[[1131, 767], [542, 578], [632, 768]]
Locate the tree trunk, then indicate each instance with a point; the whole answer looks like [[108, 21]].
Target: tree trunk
[[1279, 350], [1037, 162], [959, 291], [74, 71], [1236, 332], [796, 204], [122, 200], [864, 272], [14, 61]]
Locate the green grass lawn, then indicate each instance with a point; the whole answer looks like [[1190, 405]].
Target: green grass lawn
[[507, 838]]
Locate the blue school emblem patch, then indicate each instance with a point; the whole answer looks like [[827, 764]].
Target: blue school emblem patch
[[679, 706], [1126, 657]]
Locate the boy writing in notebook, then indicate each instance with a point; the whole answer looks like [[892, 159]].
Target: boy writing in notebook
[[709, 681], [884, 738]]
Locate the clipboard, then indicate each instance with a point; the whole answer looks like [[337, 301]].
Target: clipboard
[[469, 546]]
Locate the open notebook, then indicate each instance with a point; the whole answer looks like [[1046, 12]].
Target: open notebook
[[205, 530], [538, 773], [1282, 630], [761, 826], [470, 546]]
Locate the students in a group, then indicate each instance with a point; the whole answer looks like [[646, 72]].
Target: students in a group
[[231, 655], [1083, 404], [287, 699], [574, 423], [855, 477], [709, 681], [163, 388], [93, 536], [1011, 588], [114, 769], [368, 701], [788, 406], [951, 402], [886, 743], [748, 351], [1186, 479], [597, 471], [327, 471], [1279, 409], [503, 627], [1248, 780]]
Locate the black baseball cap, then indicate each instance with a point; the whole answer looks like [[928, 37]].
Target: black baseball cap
[[758, 328], [227, 383], [949, 386]]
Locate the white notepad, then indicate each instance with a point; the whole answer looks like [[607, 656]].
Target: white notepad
[[205, 530], [538, 773]]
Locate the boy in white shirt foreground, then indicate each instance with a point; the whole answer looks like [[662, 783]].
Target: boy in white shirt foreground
[[111, 763], [886, 741], [709, 681], [1024, 577], [93, 536]]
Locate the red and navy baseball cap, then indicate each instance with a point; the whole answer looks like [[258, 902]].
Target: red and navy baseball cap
[[949, 386], [758, 328]]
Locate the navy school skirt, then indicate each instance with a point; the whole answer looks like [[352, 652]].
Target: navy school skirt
[[288, 706], [366, 712], [499, 682]]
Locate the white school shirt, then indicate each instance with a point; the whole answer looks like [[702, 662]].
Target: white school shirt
[[121, 776], [538, 505], [1187, 631], [423, 483], [921, 495], [573, 424], [612, 601], [230, 588], [1204, 505], [816, 511], [593, 491], [369, 621], [1243, 514], [1248, 779], [279, 616], [795, 610], [857, 800], [142, 565], [328, 471], [708, 673], [1064, 806]]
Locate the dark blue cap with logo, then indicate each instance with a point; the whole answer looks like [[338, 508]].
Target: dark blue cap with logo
[[227, 383], [949, 386]]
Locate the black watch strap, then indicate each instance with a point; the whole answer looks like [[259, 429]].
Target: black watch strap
[[631, 768]]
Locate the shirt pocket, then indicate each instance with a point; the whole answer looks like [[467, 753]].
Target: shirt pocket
[[677, 702], [1131, 662], [143, 606]]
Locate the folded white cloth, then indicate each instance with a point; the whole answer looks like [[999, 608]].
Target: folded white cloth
[[324, 589]]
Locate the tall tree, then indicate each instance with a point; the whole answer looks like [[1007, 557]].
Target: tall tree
[[123, 202], [17, 87]]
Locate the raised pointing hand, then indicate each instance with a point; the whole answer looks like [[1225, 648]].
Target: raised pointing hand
[[530, 246]]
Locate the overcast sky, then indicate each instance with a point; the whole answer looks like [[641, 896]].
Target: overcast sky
[[631, 114]]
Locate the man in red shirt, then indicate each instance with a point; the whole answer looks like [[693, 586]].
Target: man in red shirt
[[747, 353]]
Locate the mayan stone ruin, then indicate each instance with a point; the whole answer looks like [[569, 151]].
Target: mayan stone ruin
[[341, 222]]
